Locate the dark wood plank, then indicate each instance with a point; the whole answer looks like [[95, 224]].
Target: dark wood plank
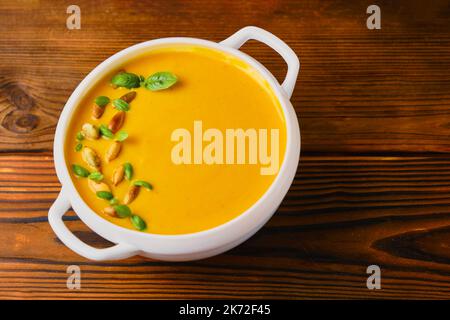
[[341, 215]]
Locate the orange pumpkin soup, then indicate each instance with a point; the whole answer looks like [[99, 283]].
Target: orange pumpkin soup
[[152, 148]]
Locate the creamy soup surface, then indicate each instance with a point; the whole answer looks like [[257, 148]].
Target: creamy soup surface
[[217, 89]]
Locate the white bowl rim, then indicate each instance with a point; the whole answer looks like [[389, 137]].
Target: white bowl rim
[[277, 189]]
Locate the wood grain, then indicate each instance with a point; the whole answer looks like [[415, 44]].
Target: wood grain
[[341, 215], [374, 180]]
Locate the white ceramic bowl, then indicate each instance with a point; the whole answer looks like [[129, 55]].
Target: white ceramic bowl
[[186, 246]]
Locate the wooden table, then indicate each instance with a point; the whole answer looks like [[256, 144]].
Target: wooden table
[[373, 185]]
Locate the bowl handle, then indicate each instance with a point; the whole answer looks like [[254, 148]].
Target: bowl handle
[[55, 214], [239, 38]]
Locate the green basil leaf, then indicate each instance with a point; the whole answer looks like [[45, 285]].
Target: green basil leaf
[[121, 105], [80, 136], [104, 195], [127, 80], [128, 171], [80, 171], [160, 81], [144, 184], [138, 223], [96, 176], [122, 211], [113, 201], [121, 136], [78, 147], [104, 131], [101, 101]]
